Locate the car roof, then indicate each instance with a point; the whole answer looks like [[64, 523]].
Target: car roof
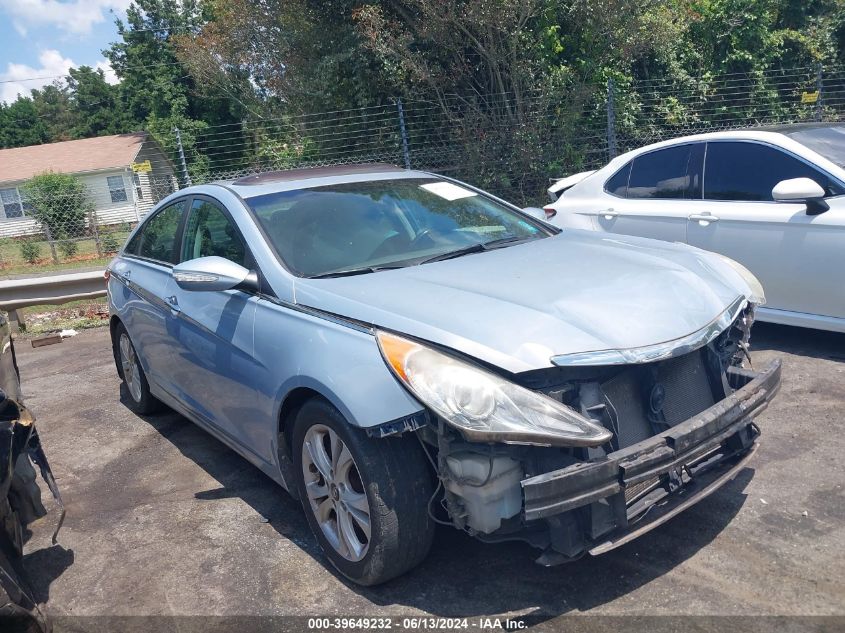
[[309, 177], [786, 128], [769, 132]]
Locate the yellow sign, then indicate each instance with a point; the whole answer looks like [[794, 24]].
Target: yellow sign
[[142, 167], [806, 97]]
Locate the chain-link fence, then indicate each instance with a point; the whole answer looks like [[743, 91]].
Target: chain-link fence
[[510, 144], [513, 144], [58, 221]]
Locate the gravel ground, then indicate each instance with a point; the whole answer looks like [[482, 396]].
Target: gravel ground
[[162, 519]]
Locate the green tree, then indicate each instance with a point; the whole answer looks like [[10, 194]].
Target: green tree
[[58, 202], [158, 88], [52, 103], [21, 124], [97, 106]]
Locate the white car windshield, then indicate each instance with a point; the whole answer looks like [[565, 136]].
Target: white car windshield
[[829, 141], [363, 227]]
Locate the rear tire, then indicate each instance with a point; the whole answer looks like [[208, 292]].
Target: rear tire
[[371, 495], [139, 399]]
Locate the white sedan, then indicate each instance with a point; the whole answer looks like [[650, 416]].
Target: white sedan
[[773, 200]]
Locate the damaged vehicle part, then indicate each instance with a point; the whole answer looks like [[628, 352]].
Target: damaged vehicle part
[[20, 496], [399, 349], [681, 427]]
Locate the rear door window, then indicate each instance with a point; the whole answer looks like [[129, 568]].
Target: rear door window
[[156, 239], [662, 174], [744, 171], [209, 231]]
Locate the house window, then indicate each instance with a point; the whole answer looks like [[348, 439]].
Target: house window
[[139, 192], [117, 189], [12, 205]]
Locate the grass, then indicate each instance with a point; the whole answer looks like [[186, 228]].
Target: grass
[[12, 262], [76, 315]]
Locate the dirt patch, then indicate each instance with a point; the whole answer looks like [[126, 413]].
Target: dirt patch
[[75, 316]]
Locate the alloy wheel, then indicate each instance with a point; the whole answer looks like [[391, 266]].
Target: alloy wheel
[[336, 493], [129, 365]]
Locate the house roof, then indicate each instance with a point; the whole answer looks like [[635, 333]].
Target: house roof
[[87, 154]]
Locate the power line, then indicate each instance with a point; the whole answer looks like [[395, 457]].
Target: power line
[[135, 67]]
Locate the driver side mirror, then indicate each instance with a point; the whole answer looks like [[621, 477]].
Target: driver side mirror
[[213, 273], [801, 190], [539, 214]]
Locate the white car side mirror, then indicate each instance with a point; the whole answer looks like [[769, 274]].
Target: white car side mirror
[[535, 212], [212, 273], [545, 214], [797, 190], [801, 190]]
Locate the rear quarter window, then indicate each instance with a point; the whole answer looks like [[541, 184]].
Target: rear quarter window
[[617, 185]]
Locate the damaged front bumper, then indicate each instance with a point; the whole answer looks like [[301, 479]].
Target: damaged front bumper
[[599, 505]]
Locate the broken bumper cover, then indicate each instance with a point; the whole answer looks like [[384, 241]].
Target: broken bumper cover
[[673, 469]]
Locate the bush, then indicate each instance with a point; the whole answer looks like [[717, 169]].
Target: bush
[[109, 243], [68, 248], [30, 251], [59, 202]]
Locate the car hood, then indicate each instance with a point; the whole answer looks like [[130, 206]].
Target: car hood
[[517, 307]]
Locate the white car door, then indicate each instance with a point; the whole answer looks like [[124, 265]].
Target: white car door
[[650, 195], [798, 257]]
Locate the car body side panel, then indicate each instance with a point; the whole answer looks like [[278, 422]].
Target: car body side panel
[[341, 363], [797, 257], [136, 290], [213, 363]]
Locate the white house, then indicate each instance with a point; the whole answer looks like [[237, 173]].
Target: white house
[[124, 174]]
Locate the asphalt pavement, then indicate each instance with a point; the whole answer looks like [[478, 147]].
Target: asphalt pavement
[[162, 519]]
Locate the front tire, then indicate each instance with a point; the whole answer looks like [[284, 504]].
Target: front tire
[[139, 399], [365, 499]]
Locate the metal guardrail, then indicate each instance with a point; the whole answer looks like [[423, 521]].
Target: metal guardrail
[[50, 289]]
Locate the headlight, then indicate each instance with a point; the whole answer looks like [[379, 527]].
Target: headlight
[[758, 297], [482, 406]]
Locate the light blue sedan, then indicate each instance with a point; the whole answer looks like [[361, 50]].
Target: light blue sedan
[[399, 349]]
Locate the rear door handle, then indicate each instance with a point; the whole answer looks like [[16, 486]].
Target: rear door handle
[[702, 217], [609, 214]]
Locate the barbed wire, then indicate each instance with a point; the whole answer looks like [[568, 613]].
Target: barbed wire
[[510, 144]]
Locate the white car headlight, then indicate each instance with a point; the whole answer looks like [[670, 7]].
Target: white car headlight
[[483, 406], [758, 297]]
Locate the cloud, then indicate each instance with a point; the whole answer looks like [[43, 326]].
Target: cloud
[[75, 16], [20, 78], [111, 76]]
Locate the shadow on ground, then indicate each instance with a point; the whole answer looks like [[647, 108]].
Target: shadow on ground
[[799, 341], [43, 566], [463, 577]]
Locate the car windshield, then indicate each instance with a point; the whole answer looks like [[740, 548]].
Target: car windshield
[[827, 141], [362, 227]]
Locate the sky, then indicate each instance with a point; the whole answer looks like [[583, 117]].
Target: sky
[[41, 39]]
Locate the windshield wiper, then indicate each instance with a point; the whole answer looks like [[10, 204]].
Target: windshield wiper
[[349, 272], [477, 248]]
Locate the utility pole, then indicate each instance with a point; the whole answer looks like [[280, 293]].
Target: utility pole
[[186, 178], [611, 119], [404, 133]]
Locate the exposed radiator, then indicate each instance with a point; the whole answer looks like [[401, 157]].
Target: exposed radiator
[[686, 390]]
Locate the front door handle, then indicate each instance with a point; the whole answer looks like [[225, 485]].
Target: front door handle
[[702, 217], [609, 214], [174, 302]]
